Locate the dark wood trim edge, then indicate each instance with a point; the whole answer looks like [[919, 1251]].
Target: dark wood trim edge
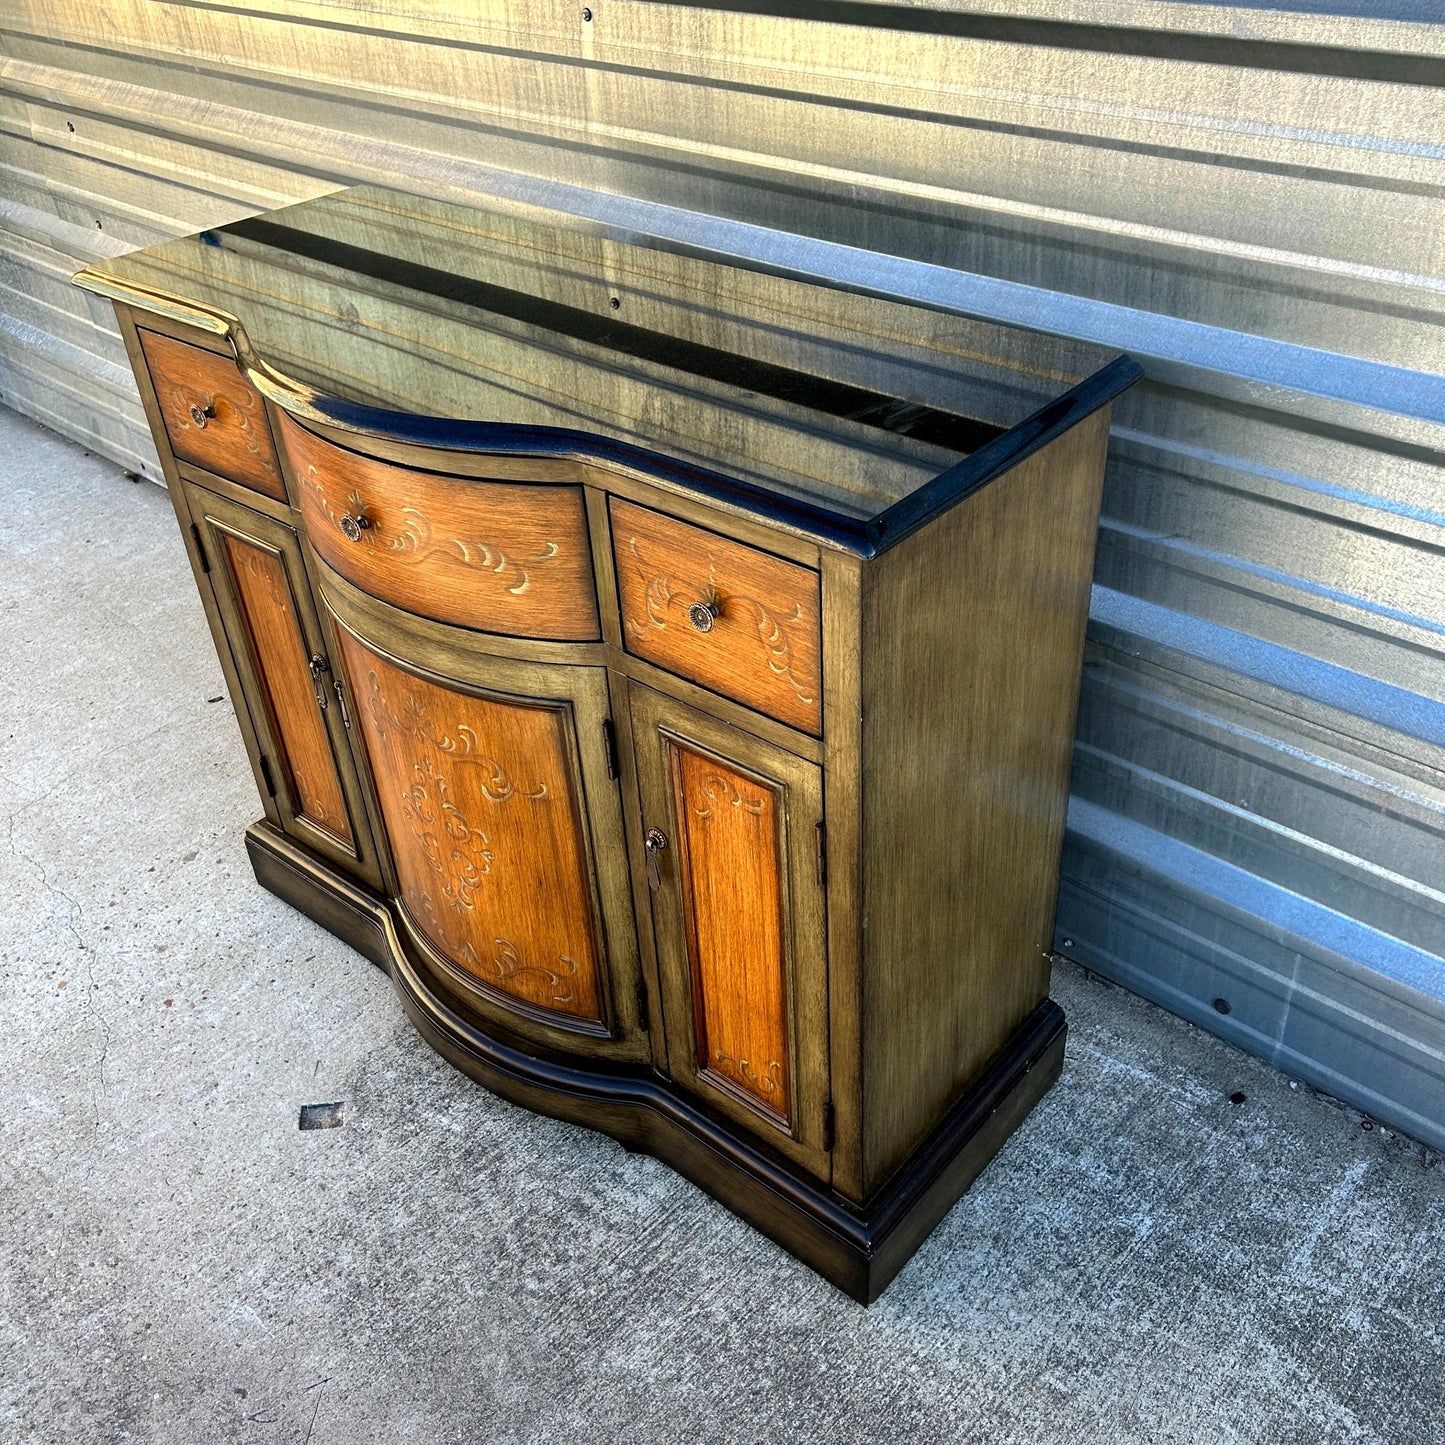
[[354, 914], [1001, 455], [859, 1250]]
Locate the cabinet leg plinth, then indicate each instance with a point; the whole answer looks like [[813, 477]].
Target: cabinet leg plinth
[[858, 1248]]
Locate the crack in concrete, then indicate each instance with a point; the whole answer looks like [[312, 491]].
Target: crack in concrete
[[75, 912], [320, 1387]]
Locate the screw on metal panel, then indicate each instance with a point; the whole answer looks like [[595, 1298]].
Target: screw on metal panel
[[1068, 943], [615, 303], [1221, 1005]]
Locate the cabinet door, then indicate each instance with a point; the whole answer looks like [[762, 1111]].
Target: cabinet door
[[494, 784], [733, 861], [284, 669]]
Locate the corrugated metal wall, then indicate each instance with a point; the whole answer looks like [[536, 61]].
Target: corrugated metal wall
[[1248, 197]]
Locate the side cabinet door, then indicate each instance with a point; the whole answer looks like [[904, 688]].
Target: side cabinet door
[[494, 785], [284, 668], [738, 912]]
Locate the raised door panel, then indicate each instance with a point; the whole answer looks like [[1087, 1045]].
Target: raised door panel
[[268, 609], [506, 843], [727, 835], [732, 830], [284, 669]]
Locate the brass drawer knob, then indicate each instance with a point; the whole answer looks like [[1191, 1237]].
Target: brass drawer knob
[[702, 615], [354, 524], [201, 414]]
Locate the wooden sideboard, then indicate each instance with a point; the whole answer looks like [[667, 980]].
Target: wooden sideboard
[[687, 730]]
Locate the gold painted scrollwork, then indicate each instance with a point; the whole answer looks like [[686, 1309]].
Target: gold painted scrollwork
[[485, 836], [415, 543], [463, 747], [743, 1071], [663, 590], [466, 857], [506, 964], [719, 789]]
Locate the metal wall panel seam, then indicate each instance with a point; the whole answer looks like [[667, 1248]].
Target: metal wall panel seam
[[1279, 366], [1312, 677], [1353, 946]]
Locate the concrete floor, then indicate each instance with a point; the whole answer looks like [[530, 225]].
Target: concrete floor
[[1146, 1261]]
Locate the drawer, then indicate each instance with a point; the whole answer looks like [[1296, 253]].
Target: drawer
[[500, 557], [719, 613], [212, 416]]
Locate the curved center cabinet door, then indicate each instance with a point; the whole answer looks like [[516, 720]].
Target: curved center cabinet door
[[738, 911], [491, 778]]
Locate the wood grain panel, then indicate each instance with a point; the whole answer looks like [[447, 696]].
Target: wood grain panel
[[843, 808], [280, 658], [763, 647], [737, 904], [497, 556], [730, 865], [234, 440], [972, 632], [481, 803]]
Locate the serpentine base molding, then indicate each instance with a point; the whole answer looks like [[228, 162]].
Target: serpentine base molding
[[859, 1251]]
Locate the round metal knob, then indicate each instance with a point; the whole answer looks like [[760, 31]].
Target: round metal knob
[[656, 839], [354, 525], [200, 414], [702, 615]]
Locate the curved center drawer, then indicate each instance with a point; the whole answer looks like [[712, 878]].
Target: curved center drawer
[[496, 556], [736, 620]]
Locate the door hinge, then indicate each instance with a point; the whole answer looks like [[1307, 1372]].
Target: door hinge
[[609, 744], [820, 841], [200, 549], [266, 777], [828, 1126], [642, 1001]]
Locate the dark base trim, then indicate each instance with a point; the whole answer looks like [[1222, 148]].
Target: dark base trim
[[858, 1249]]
